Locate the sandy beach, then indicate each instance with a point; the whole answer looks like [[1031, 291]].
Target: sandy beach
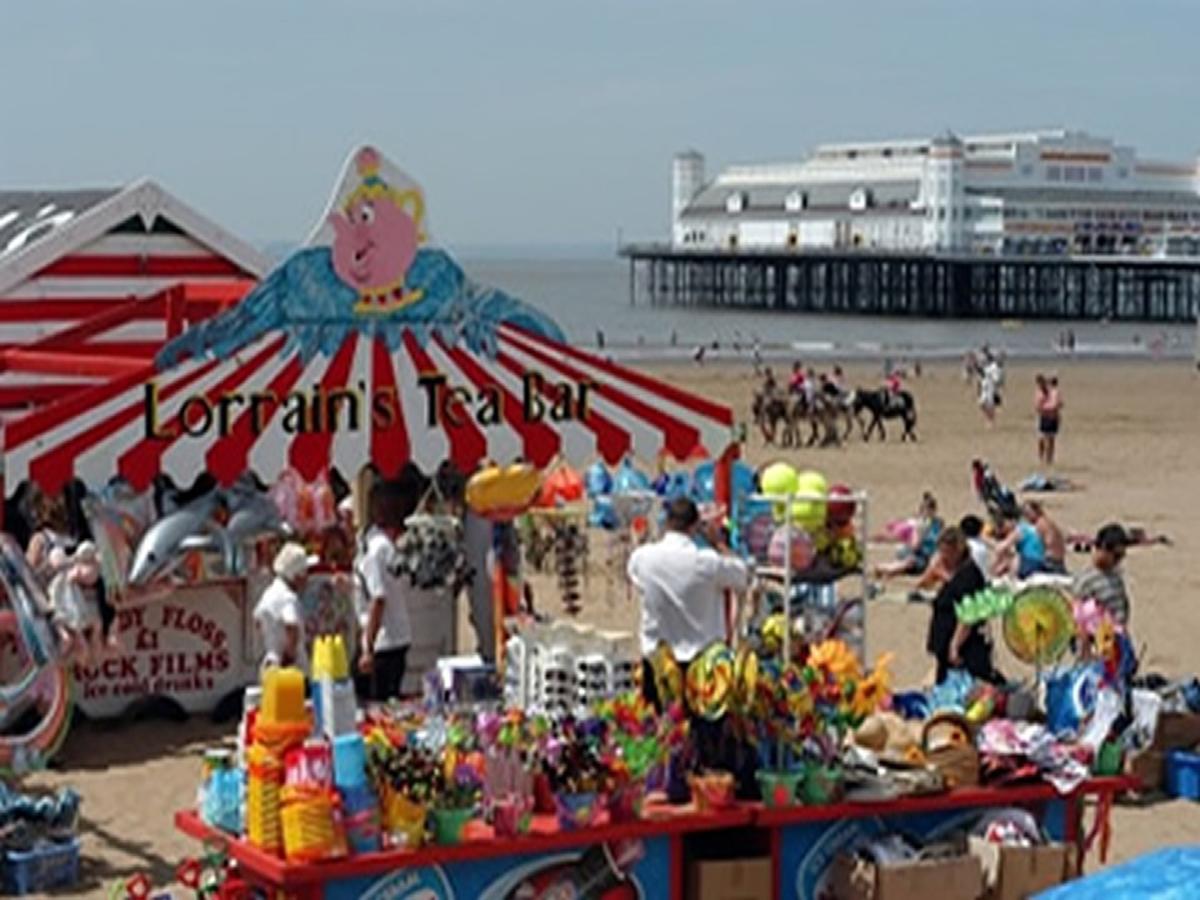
[[1129, 437]]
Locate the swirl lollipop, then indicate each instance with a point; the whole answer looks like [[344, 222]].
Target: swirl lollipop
[[710, 681]]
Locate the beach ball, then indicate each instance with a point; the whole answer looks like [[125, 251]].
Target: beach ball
[[779, 479], [839, 512], [810, 513], [802, 550]]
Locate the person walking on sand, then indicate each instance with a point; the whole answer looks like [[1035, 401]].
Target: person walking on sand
[[952, 644], [1047, 405], [989, 389]]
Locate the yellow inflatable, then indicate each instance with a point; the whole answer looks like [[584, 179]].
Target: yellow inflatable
[[501, 493]]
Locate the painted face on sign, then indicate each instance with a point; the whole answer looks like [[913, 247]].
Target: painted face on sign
[[375, 241]]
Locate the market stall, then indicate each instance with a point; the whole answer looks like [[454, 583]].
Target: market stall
[[368, 347], [802, 844]]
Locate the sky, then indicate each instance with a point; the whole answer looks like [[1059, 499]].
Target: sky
[[552, 124]]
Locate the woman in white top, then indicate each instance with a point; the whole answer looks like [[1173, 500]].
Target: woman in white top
[[278, 615]]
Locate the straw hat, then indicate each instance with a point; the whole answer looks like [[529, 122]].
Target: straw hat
[[291, 562]]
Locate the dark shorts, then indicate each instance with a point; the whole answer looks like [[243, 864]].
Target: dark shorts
[[1048, 425]]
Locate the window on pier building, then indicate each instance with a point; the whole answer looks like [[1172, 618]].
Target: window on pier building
[[1074, 173], [1053, 173]]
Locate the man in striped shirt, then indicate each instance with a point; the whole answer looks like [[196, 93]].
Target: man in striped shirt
[[1103, 581]]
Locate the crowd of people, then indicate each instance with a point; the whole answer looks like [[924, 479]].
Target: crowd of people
[[955, 561], [382, 597]]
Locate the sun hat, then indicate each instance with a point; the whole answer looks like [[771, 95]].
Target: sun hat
[[291, 562]]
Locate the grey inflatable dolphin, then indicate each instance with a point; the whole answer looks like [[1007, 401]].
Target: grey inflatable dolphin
[[190, 528]]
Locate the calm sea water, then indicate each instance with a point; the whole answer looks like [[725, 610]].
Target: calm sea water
[[589, 295]]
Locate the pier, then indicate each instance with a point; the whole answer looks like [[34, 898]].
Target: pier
[[1112, 287]]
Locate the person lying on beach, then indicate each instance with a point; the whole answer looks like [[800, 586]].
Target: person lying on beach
[[1045, 484], [1135, 536]]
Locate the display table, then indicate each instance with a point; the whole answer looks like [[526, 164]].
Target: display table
[[806, 839], [803, 841], [490, 869]]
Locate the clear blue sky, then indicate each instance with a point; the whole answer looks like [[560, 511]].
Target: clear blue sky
[[533, 123]]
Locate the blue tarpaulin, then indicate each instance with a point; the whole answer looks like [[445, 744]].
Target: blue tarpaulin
[[1170, 874]]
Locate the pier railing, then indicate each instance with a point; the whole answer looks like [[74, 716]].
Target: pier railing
[[873, 282]]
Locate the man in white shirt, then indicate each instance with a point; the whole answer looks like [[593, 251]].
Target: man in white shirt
[[278, 615], [383, 595], [683, 586], [972, 529]]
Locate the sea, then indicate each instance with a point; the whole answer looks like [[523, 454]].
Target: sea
[[589, 298]]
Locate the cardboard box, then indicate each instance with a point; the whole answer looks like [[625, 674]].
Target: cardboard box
[[1177, 731], [729, 879], [1013, 873], [1149, 766], [955, 878]]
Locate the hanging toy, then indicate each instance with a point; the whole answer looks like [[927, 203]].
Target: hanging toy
[[432, 553], [570, 562], [561, 487], [503, 493]]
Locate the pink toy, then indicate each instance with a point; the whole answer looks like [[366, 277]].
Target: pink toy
[[73, 601]]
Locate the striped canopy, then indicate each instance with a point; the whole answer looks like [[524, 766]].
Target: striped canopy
[[266, 407]]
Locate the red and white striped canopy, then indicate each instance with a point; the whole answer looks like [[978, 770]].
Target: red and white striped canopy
[[264, 410]]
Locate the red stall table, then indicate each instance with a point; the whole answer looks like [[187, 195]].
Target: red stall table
[[614, 862], [806, 839]]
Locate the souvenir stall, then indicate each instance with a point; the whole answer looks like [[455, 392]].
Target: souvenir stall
[[367, 347]]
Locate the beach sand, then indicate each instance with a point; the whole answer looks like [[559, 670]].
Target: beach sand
[[1130, 436]]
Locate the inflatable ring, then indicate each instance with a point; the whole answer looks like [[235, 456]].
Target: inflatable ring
[[501, 494], [709, 685], [51, 694], [1039, 625]]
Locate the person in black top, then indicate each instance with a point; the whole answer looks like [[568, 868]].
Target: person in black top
[[952, 644]]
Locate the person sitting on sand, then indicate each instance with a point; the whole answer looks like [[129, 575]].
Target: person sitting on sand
[[915, 556], [1020, 551], [1055, 561], [952, 644]]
